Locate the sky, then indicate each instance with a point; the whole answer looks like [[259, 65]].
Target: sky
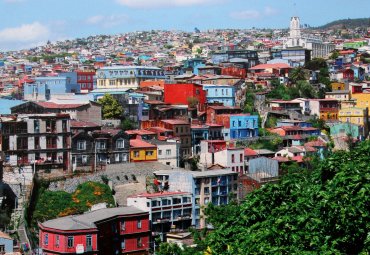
[[27, 23]]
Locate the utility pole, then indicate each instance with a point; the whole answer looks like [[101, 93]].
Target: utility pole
[[95, 159]]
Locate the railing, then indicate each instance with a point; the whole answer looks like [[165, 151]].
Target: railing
[[328, 109]]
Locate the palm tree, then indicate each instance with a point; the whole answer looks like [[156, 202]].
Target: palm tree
[[297, 74]]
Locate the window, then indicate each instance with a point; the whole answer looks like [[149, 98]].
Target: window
[[139, 225], [123, 224], [100, 145], [70, 242], [159, 152], [112, 82], [139, 242], [36, 126], [88, 241], [176, 201], [123, 244], [241, 157], [120, 144], [136, 154], [81, 145], [46, 239], [206, 191], [149, 153], [57, 240], [2, 248], [168, 152], [84, 159], [232, 158]]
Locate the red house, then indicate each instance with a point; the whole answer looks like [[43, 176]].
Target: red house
[[86, 80], [184, 92], [122, 230], [348, 74]]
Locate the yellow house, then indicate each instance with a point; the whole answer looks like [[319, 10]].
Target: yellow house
[[337, 86], [353, 115], [142, 151], [362, 100]]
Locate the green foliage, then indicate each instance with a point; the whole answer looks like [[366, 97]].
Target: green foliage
[[127, 124], [334, 55], [269, 144], [110, 107], [53, 204], [316, 64], [320, 211], [249, 102], [297, 74], [318, 123]]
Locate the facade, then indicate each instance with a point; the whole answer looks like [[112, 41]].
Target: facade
[[224, 94], [362, 100], [325, 109], [218, 187], [99, 147], [353, 115], [295, 130], [340, 95], [214, 110], [226, 156], [6, 243], [40, 139], [167, 210], [126, 77], [141, 151], [89, 111], [185, 94], [44, 88], [181, 129], [167, 152], [204, 132], [122, 230], [85, 79], [238, 126]]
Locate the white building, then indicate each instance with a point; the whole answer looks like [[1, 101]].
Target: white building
[[167, 152], [319, 48], [229, 157]]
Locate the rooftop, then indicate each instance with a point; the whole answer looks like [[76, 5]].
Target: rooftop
[[137, 143], [88, 220]]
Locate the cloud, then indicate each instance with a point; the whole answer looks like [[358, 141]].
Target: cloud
[[164, 3], [24, 33], [253, 14], [107, 21]]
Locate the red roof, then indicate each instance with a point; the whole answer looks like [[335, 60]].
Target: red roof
[[139, 132], [159, 194], [176, 122], [317, 143], [249, 152], [52, 105], [77, 124], [281, 159], [274, 66], [136, 143]]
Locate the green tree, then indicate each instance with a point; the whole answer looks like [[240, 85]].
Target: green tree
[[127, 124], [110, 107], [316, 64], [297, 74], [321, 210]]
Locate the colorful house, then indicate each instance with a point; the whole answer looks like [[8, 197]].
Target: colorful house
[[141, 151], [224, 94], [325, 109], [362, 100], [353, 115], [186, 93], [122, 230]]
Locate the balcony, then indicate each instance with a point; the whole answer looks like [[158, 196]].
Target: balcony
[[163, 220], [328, 109]]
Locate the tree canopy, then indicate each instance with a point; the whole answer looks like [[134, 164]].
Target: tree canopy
[[110, 107], [321, 210]]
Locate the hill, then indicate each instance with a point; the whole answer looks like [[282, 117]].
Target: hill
[[348, 23]]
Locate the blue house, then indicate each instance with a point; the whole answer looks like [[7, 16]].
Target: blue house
[[193, 64], [204, 132], [220, 94], [243, 126], [6, 243], [45, 87]]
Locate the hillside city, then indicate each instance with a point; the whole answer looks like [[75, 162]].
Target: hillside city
[[171, 142]]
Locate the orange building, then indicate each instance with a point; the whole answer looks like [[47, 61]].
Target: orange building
[[141, 151], [150, 83]]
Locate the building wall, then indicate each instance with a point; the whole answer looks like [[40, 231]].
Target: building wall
[[8, 244], [91, 112], [222, 94], [142, 154], [242, 126], [62, 248], [165, 158], [180, 93], [362, 100], [352, 115]]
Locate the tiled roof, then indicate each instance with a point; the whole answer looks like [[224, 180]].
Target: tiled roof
[[51, 105], [159, 194], [249, 152], [267, 66], [137, 143], [77, 124]]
